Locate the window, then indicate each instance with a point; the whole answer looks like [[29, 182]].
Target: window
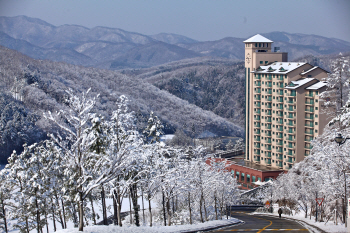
[[259, 179], [309, 76], [253, 179], [256, 44], [259, 45], [266, 62], [237, 175], [242, 176], [261, 62], [248, 178]]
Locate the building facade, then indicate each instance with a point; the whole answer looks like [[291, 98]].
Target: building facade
[[283, 108]]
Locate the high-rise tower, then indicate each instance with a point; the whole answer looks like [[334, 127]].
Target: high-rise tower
[[282, 105]]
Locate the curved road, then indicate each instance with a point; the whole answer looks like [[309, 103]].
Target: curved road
[[262, 223]]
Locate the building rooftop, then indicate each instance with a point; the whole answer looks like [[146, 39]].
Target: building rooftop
[[251, 165], [317, 86], [298, 83], [278, 68], [258, 38]]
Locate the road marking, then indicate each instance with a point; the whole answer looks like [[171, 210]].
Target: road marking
[[259, 230], [266, 226]]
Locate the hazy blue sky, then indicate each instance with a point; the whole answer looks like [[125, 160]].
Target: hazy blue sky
[[198, 19]]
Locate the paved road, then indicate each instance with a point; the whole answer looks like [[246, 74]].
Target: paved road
[[262, 223]]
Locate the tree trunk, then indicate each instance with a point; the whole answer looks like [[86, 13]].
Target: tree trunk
[[150, 212], [164, 208], [119, 208], [64, 215], [27, 225], [216, 209], [81, 212], [143, 207], [53, 215], [200, 209], [133, 191], [130, 209], [189, 206], [4, 215], [168, 212], [104, 209], [115, 208], [93, 211], [47, 224], [37, 215], [205, 209]]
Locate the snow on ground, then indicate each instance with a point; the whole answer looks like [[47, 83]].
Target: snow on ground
[[98, 210], [327, 227], [156, 229]]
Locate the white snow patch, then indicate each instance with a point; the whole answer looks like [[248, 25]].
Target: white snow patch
[[144, 229]]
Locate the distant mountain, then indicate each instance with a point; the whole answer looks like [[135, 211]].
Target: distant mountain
[[113, 48], [42, 84], [171, 38]]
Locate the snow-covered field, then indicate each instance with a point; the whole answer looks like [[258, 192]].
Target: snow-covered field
[[156, 229], [327, 227]]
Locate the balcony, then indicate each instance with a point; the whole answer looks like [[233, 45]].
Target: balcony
[[268, 155], [257, 90], [257, 159], [280, 143], [257, 105], [290, 160], [280, 92], [280, 99], [280, 78], [268, 126], [309, 124], [309, 109], [257, 139], [257, 111], [290, 138], [310, 94], [257, 124], [308, 146], [291, 145], [279, 128], [268, 105], [280, 85], [279, 157], [268, 91], [291, 131], [280, 114], [309, 131], [257, 97], [309, 139], [280, 121], [258, 84], [291, 116], [257, 132], [269, 98], [257, 76], [257, 118], [290, 153], [257, 152], [268, 140], [310, 117], [279, 150], [279, 136], [268, 119], [309, 101], [291, 109], [290, 123], [280, 106], [268, 162], [268, 133], [257, 145], [269, 113], [269, 77]]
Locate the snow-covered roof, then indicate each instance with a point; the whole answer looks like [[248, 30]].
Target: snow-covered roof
[[298, 83], [257, 38], [313, 68], [278, 68], [317, 86]]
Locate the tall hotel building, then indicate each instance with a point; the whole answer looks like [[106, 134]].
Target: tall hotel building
[[283, 108]]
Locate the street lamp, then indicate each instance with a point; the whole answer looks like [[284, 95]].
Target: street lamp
[[340, 139]]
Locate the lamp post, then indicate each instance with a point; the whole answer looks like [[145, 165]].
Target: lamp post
[[341, 140]]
